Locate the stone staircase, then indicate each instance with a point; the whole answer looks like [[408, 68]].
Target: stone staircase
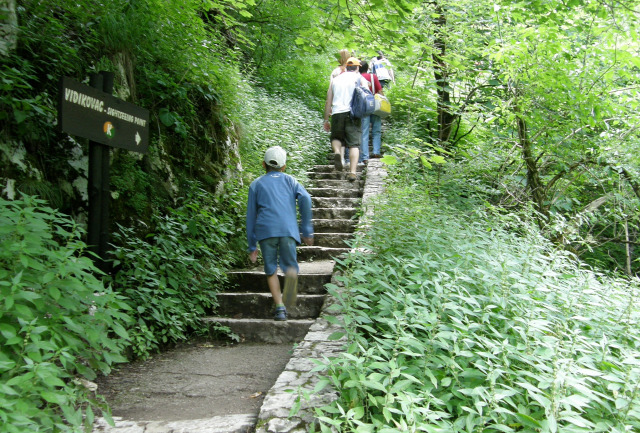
[[247, 309], [210, 388]]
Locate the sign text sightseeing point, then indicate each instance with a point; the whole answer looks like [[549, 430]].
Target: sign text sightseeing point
[[90, 113]]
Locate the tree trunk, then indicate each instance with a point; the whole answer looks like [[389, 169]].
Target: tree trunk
[[534, 184], [446, 118], [8, 27]]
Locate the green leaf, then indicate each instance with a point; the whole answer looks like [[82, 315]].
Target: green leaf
[[528, 420], [20, 116], [336, 336], [54, 397], [374, 385], [7, 330], [425, 161], [54, 292], [166, 117], [389, 159]]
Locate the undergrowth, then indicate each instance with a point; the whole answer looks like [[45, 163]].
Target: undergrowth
[[60, 326], [455, 324]]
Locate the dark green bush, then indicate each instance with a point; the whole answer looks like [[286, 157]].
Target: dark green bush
[[59, 325], [171, 277]]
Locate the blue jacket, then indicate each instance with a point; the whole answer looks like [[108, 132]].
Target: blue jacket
[[271, 209]]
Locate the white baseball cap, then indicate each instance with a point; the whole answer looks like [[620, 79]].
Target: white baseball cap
[[275, 157]]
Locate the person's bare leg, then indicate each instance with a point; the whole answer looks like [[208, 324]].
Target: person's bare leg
[[354, 154], [338, 152], [337, 147], [274, 288]]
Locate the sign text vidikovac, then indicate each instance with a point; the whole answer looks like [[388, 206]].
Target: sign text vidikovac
[[90, 113]]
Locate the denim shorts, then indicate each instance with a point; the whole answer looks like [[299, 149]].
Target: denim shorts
[[278, 251]]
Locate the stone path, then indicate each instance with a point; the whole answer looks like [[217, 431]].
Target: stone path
[[202, 388]]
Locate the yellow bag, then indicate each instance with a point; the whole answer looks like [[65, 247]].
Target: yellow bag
[[383, 107]]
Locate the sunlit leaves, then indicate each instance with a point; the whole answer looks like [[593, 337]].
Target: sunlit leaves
[[470, 327], [59, 327]]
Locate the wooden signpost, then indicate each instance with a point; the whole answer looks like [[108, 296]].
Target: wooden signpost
[[92, 112]]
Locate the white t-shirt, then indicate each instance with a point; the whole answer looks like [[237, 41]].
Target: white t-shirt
[[379, 68], [342, 87], [337, 71]]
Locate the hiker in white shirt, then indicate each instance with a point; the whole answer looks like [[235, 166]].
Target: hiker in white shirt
[[345, 131], [382, 68]]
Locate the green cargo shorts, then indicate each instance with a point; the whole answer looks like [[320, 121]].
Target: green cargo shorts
[[345, 129]]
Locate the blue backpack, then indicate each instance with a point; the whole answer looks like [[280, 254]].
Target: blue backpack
[[363, 103]]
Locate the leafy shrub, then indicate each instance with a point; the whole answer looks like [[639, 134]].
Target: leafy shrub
[[458, 326], [276, 119], [59, 324], [171, 278]]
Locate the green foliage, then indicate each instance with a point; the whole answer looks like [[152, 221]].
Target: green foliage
[[59, 326], [131, 188], [457, 325], [171, 277], [277, 119], [165, 57]]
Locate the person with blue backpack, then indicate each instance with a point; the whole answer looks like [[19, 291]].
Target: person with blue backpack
[[371, 122], [345, 129]]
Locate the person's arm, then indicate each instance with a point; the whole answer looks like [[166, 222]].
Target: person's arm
[[251, 223], [327, 108], [304, 205]]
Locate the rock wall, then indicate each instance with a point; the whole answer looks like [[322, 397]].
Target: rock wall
[[8, 26]]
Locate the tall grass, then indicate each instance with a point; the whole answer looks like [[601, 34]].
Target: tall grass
[[272, 118], [456, 324]]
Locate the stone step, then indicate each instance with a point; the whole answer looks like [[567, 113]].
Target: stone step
[[334, 192], [357, 185], [262, 330], [333, 240], [330, 167], [334, 225], [334, 213], [335, 202], [256, 281], [334, 175], [306, 253], [260, 306], [311, 279]]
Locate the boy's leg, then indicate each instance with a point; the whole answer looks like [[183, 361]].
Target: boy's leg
[[274, 287], [269, 248], [288, 262], [290, 293]]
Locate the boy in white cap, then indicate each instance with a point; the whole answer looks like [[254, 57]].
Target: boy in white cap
[[272, 221]]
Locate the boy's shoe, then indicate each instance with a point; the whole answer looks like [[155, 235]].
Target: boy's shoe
[[352, 177], [337, 161], [290, 293], [280, 314]]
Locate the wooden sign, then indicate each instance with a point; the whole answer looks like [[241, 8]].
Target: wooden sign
[[87, 112]]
